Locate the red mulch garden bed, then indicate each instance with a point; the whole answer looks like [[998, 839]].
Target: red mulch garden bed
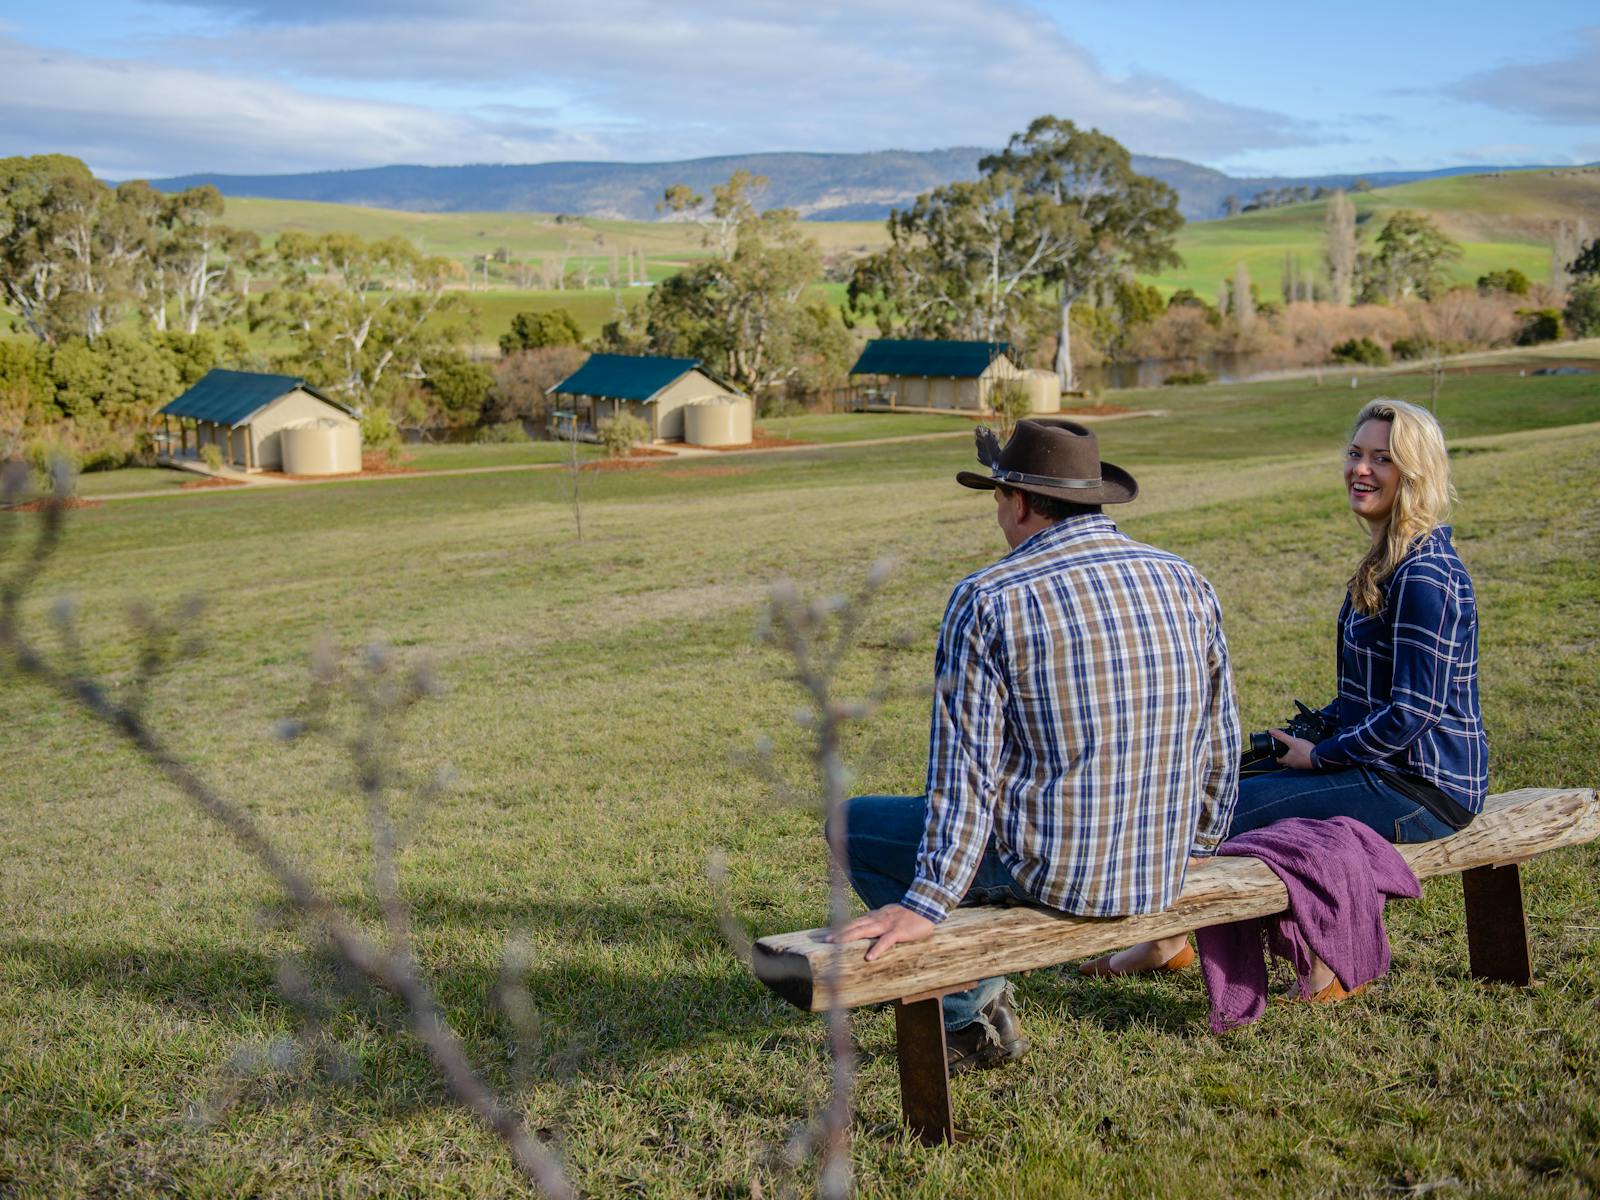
[[639, 456], [45, 502], [372, 463], [761, 441]]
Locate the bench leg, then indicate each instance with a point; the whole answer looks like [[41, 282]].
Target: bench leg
[[924, 1078], [1497, 928]]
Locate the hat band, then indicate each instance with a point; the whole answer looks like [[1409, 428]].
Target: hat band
[[1043, 480]]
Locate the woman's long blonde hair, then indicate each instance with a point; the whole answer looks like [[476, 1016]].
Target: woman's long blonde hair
[[1421, 502]]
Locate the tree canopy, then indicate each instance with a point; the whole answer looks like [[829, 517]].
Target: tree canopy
[[365, 317], [1411, 256], [76, 255], [742, 311], [1058, 213]]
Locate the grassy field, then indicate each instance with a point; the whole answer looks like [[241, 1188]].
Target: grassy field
[[596, 694], [1500, 220]]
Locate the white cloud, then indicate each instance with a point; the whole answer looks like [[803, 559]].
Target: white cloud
[[511, 81], [1561, 91], [126, 119]]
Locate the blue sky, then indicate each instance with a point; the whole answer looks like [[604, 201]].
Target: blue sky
[[266, 86]]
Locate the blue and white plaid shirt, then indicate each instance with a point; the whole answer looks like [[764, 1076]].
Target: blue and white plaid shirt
[[1408, 678], [1085, 716]]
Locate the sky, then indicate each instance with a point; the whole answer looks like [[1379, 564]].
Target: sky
[[148, 88]]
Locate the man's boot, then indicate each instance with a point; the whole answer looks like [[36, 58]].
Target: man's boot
[[993, 1040]]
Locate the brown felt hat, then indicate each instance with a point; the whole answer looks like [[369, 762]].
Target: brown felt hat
[[1050, 458]]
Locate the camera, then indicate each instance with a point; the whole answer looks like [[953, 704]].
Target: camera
[[1307, 723]]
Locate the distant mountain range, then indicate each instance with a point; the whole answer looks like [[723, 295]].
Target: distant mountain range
[[823, 187]]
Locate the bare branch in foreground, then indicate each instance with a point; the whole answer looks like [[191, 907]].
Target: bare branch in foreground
[[817, 637], [393, 968]]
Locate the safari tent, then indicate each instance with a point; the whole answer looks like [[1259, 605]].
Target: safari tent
[[253, 419], [652, 388], [904, 374]]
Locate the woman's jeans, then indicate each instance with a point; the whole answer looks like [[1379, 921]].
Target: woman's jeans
[[1357, 792], [882, 836]]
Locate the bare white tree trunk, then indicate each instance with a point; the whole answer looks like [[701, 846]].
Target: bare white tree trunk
[[1064, 343], [1341, 248], [1244, 305]]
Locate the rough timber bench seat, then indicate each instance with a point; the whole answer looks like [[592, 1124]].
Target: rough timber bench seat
[[974, 943]]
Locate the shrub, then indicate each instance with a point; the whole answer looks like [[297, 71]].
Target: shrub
[[535, 330], [1539, 325], [1010, 402], [211, 455], [457, 389], [378, 432], [501, 433], [522, 379], [1583, 309], [619, 433], [1409, 348], [45, 452], [1186, 378], [1361, 350], [1511, 281]]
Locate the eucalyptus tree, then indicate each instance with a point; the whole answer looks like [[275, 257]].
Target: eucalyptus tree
[[1411, 257], [364, 316], [1056, 216], [964, 261], [77, 255], [742, 311], [1108, 220]]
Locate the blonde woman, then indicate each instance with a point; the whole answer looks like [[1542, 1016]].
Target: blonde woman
[[1409, 758]]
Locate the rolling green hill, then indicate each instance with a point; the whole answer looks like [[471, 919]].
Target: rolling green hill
[[1501, 219]]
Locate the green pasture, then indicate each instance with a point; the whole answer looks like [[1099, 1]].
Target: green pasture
[[597, 695], [1500, 220], [1212, 250], [469, 235]]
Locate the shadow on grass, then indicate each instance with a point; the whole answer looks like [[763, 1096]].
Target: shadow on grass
[[1175, 1007], [629, 984]]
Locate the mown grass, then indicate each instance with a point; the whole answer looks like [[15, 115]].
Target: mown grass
[[446, 456], [597, 693]]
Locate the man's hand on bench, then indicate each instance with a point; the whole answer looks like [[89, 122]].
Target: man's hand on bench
[[890, 924]]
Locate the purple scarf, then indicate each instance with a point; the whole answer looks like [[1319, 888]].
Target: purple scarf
[[1338, 873]]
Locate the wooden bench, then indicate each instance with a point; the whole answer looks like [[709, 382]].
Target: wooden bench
[[975, 943]]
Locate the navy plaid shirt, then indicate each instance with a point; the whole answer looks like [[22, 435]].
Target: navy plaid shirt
[[1085, 717], [1408, 678]]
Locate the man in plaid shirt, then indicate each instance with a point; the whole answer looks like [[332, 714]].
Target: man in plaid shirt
[[1084, 743]]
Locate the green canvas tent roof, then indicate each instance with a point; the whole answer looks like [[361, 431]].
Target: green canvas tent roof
[[233, 397], [626, 376], [943, 359]]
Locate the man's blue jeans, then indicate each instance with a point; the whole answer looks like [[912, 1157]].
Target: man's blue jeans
[[1358, 792], [882, 834]]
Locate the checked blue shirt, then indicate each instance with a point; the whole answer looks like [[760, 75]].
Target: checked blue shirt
[[1408, 678], [1084, 715]]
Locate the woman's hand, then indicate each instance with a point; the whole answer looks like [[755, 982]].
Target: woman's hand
[[1299, 753]]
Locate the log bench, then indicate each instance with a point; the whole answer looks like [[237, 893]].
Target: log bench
[[975, 943]]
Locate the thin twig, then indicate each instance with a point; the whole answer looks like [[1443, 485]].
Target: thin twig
[[817, 637], [395, 970]]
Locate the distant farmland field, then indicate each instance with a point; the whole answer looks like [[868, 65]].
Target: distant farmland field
[[1501, 220]]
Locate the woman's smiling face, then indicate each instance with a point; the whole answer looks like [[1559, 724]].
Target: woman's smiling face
[[1371, 479]]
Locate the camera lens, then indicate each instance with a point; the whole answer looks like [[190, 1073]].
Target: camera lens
[[1264, 744]]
